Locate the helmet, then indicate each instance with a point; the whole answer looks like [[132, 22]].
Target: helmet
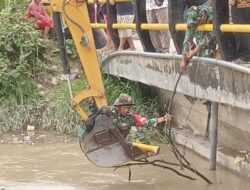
[[123, 99], [191, 3]]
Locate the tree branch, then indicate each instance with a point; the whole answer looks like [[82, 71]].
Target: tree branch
[[154, 163]]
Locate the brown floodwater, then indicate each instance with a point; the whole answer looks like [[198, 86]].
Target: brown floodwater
[[60, 164]]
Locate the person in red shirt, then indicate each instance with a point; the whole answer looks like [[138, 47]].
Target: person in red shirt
[[37, 13]]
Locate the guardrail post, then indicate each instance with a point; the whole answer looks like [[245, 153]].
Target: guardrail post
[[213, 135]]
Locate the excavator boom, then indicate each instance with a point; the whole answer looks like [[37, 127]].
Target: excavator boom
[[76, 17]]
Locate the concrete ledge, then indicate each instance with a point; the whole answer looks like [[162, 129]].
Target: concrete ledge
[[225, 82], [202, 147]]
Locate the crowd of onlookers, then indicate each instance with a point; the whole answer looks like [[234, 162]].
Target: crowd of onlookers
[[196, 12], [156, 12]]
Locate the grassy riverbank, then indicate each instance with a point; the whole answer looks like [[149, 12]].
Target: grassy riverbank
[[33, 90]]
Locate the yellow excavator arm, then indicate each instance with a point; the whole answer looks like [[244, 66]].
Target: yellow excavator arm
[[104, 146], [76, 16]]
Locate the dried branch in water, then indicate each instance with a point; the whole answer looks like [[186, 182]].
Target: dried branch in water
[[154, 163], [183, 162], [181, 157], [163, 164]]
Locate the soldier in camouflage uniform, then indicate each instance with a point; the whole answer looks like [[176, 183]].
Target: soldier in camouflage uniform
[[199, 13], [131, 124]]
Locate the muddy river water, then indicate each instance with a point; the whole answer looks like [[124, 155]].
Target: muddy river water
[[54, 165]]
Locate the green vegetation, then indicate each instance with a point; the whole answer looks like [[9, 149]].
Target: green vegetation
[[25, 58], [8, 4], [13, 118], [71, 50], [59, 114], [62, 118], [144, 99], [22, 55]]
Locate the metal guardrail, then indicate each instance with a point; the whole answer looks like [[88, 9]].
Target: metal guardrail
[[242, 28]]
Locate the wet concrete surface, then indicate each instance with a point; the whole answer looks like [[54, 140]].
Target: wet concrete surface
[[58, 163]]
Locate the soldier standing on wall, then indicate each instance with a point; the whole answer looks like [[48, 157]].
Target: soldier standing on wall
[[200, 12]]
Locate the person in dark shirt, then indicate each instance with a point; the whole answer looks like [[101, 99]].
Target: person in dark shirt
[[103, 17], [240, 10], [125, 14]]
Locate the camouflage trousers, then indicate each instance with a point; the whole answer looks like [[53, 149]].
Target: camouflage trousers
[[138, 135], [206, 52]]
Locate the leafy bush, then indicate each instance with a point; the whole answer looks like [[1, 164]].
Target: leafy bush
[[71, 49], [16, 118], [22, 52], [145, 101], [59, 115], [8, 3]]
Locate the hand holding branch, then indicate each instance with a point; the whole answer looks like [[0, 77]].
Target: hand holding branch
[[186, 58], [165, 118]]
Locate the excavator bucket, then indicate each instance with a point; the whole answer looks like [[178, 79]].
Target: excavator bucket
[[105, 146]]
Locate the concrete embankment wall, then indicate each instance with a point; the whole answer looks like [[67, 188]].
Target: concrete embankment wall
[[233, 126], [233, 131]]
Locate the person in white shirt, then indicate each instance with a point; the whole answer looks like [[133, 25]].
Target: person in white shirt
[[157, 12]]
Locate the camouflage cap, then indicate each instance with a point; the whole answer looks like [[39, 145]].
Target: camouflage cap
[[196, 13], [123, 99]]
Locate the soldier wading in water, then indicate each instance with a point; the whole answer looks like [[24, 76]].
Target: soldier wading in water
[[130, 125]]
